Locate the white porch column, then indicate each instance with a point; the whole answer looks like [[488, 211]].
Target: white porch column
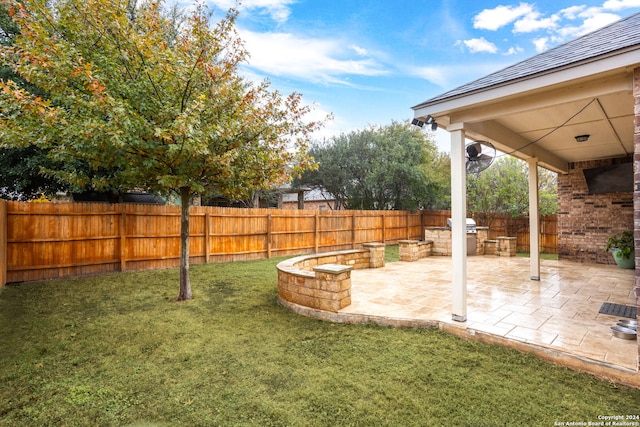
[[459, 225], [534, 220]]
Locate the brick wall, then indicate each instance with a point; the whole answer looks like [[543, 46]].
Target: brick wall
[[585, 221]]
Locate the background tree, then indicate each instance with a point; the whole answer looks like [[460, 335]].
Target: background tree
[[438, 173], [504, 189], [21, 167], [21, 176], [159, 106], [388, 167]]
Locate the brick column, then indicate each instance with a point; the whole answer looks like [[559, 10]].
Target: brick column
[[636, 185], [376, 254], [506, 246], [332, 287], [409, 250]]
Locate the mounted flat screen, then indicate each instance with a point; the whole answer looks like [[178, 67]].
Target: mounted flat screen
[[610, 179]]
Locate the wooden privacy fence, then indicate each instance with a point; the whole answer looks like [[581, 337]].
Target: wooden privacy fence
[[52, 240], [40, 241], [506, 225]]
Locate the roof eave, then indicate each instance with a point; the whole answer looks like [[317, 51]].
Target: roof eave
[[621, 59]]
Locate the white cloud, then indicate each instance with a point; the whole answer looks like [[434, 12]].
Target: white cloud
[[620, 4], [593, 19], [439, 76], [541, 44], [359, 50], [496, 18], [319, 60], [513, 51], [598, 20], [319, 113], [478, 45], [278, 10], [572, 12], [533, 22], [567, 23], [449, 76]]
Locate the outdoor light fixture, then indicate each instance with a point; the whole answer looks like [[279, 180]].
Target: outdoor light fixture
[[417, 122], [582, 138], [429, 120]]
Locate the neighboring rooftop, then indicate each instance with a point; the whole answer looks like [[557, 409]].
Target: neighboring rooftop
[[310, 195]]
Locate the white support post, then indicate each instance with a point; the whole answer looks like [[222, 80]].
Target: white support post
[[534, 220], [458, 226]]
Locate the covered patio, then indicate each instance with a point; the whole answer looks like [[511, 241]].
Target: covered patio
[[555, 318], [575, 110]]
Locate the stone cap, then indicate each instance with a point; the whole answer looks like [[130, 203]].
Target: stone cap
[[373, 245], [333, 268]]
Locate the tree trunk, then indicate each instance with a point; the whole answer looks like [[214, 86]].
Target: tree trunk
[[185, 284]]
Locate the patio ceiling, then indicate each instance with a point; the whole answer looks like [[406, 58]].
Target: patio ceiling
[[536, 108]]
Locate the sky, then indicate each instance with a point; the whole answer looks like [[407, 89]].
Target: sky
[[367, 62]]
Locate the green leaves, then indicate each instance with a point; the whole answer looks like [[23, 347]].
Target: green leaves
[[504, 188], [378, 168], [141, 98], [152, 96]]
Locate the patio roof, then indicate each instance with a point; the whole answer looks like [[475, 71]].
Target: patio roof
[[535, 108]]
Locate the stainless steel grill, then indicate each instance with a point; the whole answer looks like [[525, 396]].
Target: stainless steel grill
[[472, 238], [471, 225]]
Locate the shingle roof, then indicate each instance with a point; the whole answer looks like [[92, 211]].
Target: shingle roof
[[617, 36]]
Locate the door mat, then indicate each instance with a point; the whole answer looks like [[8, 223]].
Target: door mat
[[619, 310]]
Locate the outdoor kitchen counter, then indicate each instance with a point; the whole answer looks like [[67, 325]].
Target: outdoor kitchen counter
[[441, 237]]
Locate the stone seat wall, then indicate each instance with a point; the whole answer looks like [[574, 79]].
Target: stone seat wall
[[323, 281], [413, 250]]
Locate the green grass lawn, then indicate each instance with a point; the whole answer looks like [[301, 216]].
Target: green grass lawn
[[553, 257], [115, 350]]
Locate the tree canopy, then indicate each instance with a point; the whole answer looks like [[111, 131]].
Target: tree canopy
[[142, 100], [387, 167], [21, 167], [504, 188]]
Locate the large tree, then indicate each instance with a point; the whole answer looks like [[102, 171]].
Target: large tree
[[384, 167], [504, 189], [157, 102]]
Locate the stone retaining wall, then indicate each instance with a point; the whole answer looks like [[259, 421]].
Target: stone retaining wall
[[323, 281]]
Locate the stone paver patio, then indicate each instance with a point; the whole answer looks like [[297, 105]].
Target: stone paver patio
[[557, 317]]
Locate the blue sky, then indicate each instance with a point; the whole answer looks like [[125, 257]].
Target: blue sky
[[369, 61]]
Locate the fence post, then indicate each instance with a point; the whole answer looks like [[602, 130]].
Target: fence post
[[353, 230], [269, 236], [3, 242], [316, 231], [207, 232], [384, 230], [408, 225], [123, 236]]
